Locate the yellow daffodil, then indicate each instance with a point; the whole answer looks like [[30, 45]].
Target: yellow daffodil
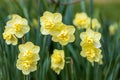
[[35, 23], [95, 24], [26, 65], [63, 34], [9, 36], [112, 28], [92, 53], [48, 22], [90, 37], [28, 57], [90, 46], [80, 20], [57, 60], [20, 25]]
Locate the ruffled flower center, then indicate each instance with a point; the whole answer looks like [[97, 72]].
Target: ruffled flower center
[[26, 65], [18, 27], [89, 40], [49, 24], [29, 54], [90, 53], [8, 36], [63, 35], [57, 59]]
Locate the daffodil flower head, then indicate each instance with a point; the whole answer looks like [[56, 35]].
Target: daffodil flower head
[[57, 60], [64, 35], [80, 20], [20, 25], [9, 36], [35, 23], [113, 28], [95, 24], [48, 22], [92, 53], [26, 65], [90, 37], [28, 57]]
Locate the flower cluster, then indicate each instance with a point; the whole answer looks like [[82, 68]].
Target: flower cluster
[[57, 60], [15, 28], [28, 57], [90, 46], [83, 21], [51, 24]]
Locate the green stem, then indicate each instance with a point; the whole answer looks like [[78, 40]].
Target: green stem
[[108, 69], [23, 39], [56, 6], [44, 44], [66, 66], [88, 71], [43, 47], [24, 8], [83, 5], [27, 77], [91, 10], [96, 72]]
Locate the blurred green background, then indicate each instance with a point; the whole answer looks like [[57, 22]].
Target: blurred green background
[[106, 11]]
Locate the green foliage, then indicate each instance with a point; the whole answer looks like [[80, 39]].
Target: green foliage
[[77, 68]]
